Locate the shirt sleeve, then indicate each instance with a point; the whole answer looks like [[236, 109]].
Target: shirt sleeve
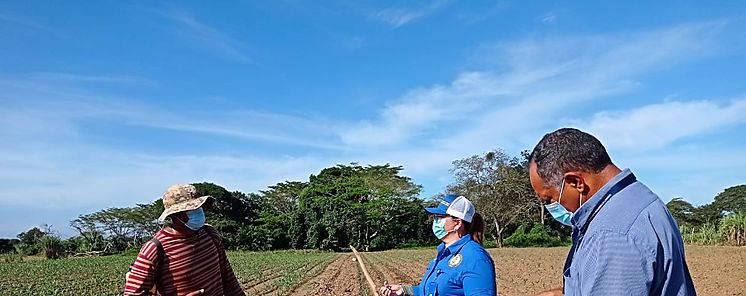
[[615, 265], [479, 278], [231, 286], [141, 276], [417, 289]]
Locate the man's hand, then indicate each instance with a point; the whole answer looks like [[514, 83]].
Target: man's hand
[[553, 292]]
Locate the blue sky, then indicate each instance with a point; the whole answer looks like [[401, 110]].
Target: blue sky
[[105, 104]]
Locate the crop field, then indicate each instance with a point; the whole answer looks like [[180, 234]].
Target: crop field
[[715, 270], [264, 273]]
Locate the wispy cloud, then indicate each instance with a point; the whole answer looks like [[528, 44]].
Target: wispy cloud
[[397, 17], [61, 77], [658, 125], [542, 77], [548, 18], [209, 38], [24, 22], [537, 85]]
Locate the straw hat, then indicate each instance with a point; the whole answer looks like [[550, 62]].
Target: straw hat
[[180, 198]]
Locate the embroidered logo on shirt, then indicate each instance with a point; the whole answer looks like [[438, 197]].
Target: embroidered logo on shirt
[[455, 260]]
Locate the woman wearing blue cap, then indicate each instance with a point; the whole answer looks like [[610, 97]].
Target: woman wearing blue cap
[[463, 266]]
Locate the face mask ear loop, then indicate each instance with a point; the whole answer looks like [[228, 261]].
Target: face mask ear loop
[[562, 189]]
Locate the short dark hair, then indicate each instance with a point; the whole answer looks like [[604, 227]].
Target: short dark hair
[[565, 150]]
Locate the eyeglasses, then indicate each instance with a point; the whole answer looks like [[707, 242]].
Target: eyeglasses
[[445, 216]]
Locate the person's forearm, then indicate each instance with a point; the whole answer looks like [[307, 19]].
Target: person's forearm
[[553, 292]]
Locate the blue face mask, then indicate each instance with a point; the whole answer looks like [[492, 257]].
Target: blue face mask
[[558, 211], [196, 219], [439, 227]]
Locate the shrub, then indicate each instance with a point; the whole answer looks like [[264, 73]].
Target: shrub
[[538, 236], [12, 257], [733, 229], [704, 235], [52, 247]]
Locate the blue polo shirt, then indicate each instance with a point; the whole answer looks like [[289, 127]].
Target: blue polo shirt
[[631, 245], [464, 268]]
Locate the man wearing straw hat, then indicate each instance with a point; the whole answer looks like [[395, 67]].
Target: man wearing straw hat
[[185, 258]]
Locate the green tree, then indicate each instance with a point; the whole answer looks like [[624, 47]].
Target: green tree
[[8, 245], [358, 205], [684, 212], [500, 188], [732, 200], [29, 241], [229, 213], [118, 228]]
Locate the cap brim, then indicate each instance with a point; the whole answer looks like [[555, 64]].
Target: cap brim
[[436, 211], [185, 206]]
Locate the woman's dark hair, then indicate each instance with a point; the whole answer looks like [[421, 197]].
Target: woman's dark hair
[[475, 228]]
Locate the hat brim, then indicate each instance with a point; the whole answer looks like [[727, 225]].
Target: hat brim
[[436, 211], [185, 206]]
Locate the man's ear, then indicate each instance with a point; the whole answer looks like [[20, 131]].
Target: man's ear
[[576, 182]]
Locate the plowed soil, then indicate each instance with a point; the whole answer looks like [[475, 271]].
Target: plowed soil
[[341, 277], [715, 270]]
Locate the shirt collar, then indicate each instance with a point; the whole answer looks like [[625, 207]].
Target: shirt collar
[[580, 216], [456, 245]]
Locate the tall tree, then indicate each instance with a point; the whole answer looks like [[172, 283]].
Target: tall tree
[[357, 205], [229, 213], [500, 189], [684, 212], [732, 199]]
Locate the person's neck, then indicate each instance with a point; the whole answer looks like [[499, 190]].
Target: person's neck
[[450, 239], [180, 229], [597, 181]]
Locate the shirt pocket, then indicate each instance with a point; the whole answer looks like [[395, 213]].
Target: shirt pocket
[[570, 282], [431, 289]]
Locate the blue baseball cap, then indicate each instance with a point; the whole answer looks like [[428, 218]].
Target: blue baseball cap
[[454, 205]]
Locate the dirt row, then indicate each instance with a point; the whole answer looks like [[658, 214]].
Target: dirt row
[[715, 271], [341, 277]]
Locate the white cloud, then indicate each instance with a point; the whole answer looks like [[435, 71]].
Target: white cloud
[[540, 79], [548, 18], [536, 85], [397, 17], [658, 125], [208, 37]]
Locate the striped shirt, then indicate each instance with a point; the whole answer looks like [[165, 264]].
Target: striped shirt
[[191, 263]]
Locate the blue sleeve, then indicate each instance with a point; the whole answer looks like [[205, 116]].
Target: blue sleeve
[[615, 265], [479, 278], [417, 289]]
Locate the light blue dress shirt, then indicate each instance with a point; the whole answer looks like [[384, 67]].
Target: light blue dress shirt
[[631, 245]]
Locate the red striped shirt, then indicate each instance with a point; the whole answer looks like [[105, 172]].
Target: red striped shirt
[[191, 263]]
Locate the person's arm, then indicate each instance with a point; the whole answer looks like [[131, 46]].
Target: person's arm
[[479, 279], [616, 264], [141, 277], [231, 286]]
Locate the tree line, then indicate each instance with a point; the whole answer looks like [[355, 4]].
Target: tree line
[[371, 207], [722, 221]]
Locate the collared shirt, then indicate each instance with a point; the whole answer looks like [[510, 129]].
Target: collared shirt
[[463, 268], [632, 246]]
